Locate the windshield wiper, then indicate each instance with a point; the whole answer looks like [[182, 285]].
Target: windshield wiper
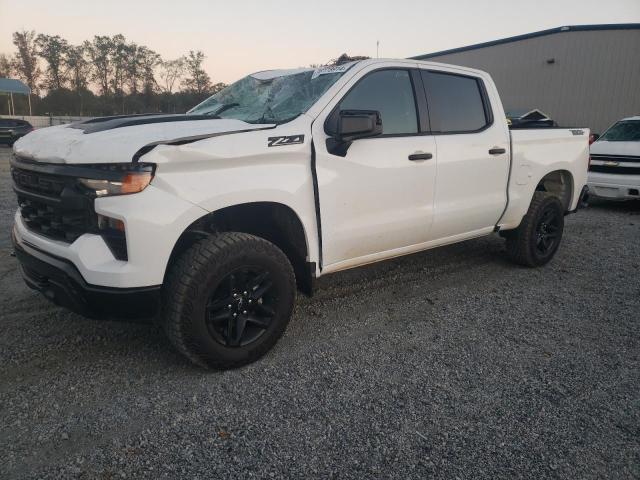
[[223, 108]]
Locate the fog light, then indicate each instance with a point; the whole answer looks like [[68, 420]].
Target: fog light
[[113, 233], [106, 223]]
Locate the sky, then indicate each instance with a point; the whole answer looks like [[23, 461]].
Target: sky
[[243, 36]]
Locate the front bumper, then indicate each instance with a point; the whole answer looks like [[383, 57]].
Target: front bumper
[[154, 220], [61, 282], [614, 187]]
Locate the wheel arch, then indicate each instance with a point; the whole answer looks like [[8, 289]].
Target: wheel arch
[[559, 183], [276, 222]]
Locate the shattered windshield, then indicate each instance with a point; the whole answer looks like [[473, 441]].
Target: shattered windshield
[[274, 96], [625, 131]]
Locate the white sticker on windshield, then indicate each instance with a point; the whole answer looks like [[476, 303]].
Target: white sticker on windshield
[[330, 69]]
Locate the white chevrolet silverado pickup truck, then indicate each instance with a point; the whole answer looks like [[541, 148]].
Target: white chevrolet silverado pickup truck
[[209, 221]]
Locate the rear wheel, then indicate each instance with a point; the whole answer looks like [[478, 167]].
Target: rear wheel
[[536, 240], [228, 300]]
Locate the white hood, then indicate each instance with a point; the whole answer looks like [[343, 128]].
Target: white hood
[[602, 147], [66, 144]]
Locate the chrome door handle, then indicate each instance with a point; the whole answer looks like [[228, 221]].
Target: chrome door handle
[[420, 156]]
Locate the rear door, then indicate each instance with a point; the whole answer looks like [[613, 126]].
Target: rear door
[[473, 154], [379, 196]]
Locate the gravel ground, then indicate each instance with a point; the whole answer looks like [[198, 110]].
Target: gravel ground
[[447, 364]]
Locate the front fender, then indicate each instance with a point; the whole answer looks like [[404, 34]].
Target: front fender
[[215, 174]]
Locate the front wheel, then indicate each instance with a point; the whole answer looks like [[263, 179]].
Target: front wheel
[[228, 300], [536, 240]]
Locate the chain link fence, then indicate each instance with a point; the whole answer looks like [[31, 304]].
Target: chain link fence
[[42, 121]]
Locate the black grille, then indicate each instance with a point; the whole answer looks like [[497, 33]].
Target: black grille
[[38, 182], [616, 164], [52, 205], [615, 169], [616, 158]]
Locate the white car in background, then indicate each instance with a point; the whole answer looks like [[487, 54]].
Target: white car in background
[[614, 172]]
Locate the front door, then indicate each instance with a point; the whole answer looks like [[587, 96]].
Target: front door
[[379, 196]]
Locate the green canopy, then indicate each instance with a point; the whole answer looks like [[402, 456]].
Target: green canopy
[[10, 85]]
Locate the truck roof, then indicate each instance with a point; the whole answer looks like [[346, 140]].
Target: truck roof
[[410, 61]]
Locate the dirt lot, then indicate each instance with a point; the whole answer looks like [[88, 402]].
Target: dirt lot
[[447, 364]]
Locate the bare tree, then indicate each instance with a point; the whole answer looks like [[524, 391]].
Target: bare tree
[[25, 61], [6, 67], [53, 49], [99, 51], [79, 72], [198, 80], [133, 67], [171, 71], [79, 69], [148, 61], [217, 87], [120, 52]]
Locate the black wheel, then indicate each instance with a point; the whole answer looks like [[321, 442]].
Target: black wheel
[[228, 299], [536, 240]]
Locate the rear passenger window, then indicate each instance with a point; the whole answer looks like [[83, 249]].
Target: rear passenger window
[[390, 92], [455, 102]]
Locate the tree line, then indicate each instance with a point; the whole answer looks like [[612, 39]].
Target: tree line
[[107, 75]]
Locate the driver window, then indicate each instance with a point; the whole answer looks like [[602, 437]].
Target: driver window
[[391, 93]]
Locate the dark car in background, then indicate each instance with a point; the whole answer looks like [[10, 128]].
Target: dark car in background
[[12, 129]]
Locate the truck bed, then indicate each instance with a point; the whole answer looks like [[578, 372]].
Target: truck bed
[[538, 150]]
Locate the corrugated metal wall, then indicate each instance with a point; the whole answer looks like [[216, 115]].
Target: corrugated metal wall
[[594, 80]]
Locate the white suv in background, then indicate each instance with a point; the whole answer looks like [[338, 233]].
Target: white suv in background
[[614, 172]]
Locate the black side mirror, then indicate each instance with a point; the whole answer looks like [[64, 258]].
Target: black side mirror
[[355, 124], [350, 125], [593, 137]]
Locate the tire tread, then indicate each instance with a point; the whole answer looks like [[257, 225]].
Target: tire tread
[[519, 248], [182, 290]]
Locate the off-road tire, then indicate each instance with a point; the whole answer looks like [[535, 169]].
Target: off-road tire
[[194, 277], [521, 242]]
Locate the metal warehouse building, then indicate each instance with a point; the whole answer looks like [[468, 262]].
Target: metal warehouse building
[[586, 76]]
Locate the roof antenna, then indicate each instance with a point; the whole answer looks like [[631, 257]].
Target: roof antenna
[[377, 48]]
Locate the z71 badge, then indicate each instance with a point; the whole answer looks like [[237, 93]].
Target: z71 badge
[[282, 141]]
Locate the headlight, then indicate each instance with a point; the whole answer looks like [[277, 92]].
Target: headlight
[[118, 179]]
